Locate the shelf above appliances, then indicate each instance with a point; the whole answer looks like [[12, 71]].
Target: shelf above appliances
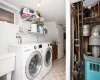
[[33, 33]]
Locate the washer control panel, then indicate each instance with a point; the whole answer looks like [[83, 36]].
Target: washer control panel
[[49, 44], [40, 46], [35, 47]]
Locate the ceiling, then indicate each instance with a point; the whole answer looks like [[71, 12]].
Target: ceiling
[[73, 1], [89, 2], [51, 10], [86, 3]]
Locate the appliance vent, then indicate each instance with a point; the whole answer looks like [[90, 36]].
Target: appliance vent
[[95, 67]]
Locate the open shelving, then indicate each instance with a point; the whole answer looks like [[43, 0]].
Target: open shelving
[[79, 21], [34, 33], [30, 21]]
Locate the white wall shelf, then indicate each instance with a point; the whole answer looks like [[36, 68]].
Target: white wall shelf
[[36, 33], [33, 33]]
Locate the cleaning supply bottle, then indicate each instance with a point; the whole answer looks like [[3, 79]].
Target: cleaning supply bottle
[[38, 29]]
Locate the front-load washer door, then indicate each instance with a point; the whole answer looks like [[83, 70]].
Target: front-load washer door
[[33, 65], [48, 57]]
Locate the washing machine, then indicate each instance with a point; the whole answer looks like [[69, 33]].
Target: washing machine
[[47, 58], [29, 61]]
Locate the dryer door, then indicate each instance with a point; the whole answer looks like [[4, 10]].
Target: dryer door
[[48, 57], [33, 65]]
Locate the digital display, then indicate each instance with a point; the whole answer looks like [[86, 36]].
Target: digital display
[[40, 46]]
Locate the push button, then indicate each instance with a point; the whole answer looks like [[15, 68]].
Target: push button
[[35, 47]]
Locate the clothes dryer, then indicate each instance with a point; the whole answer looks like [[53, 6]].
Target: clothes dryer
[[47, 58]]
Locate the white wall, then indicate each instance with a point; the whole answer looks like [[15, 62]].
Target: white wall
[[8, 31], [27, 37], [7, 34], [60, 31], [52, 33], [55, 32], [68, 40]]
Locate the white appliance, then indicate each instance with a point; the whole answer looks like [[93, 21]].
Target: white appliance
[[29, 61], [47, 58]]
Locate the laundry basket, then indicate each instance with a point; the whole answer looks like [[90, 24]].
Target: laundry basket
[[91, 68]]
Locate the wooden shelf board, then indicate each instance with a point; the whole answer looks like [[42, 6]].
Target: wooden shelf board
[[92, 17]]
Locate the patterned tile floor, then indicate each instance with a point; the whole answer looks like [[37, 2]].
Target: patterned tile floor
[[58, 71]]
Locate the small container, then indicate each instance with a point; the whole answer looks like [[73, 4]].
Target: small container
[[33, 27], [41, 29], [86, 30], [45, 30], [38, 29]]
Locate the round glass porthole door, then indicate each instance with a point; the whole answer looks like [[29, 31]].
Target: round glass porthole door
[[33, 65], [48, 57]]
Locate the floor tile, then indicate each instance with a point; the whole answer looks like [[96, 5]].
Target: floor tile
[[61, 73], [59, 78], [51, 75], [58, 70], [53, 78], [47, 76], [63, 76], [46, 79], [56, 74]]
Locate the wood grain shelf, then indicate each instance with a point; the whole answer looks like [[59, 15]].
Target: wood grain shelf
[[92, 17], [80, 14]]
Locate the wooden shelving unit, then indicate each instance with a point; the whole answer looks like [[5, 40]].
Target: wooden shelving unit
[[78, 24], [80, 18], [79, 21]]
